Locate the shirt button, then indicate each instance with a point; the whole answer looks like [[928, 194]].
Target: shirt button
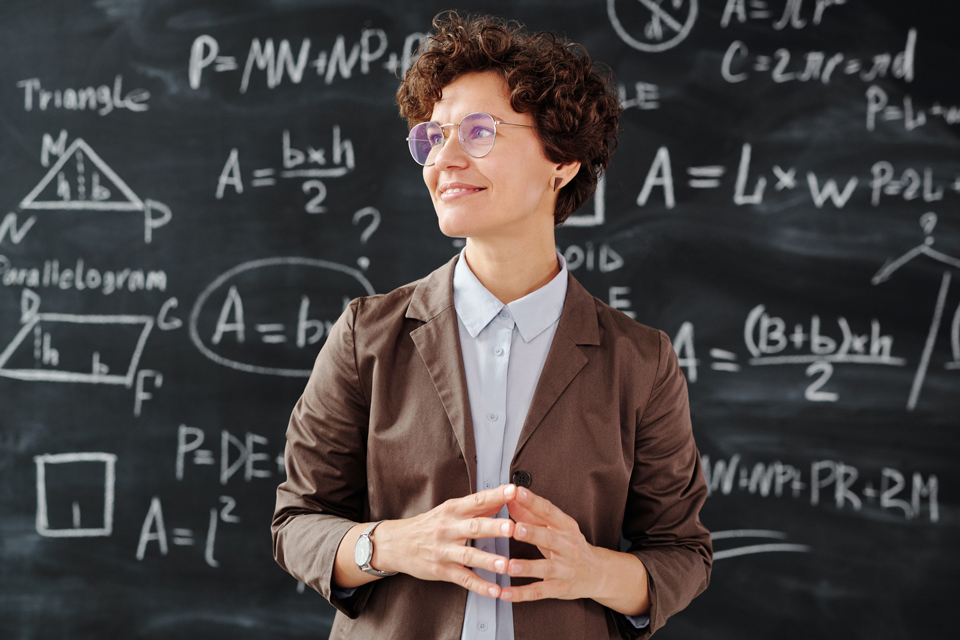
[[492, 417], [482, 626], [488, 485], [504, 314], [498, 351]]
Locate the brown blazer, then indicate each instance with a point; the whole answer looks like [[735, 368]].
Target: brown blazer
[[383, 431]]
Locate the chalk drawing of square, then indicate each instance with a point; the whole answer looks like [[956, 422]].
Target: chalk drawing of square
[[596, 218], [52, 195], [109, 461], [20, 342]]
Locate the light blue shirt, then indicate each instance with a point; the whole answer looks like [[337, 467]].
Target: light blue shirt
[[504, 348]]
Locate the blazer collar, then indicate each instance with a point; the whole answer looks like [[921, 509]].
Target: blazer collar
[[434, 294], [438, 343]]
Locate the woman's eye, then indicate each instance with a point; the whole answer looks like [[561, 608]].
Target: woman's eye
[[480, 133], [435, 139]]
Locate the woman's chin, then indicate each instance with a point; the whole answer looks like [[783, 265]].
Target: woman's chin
[[451, 227]]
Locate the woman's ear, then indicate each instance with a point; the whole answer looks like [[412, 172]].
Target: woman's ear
[[564, 173]]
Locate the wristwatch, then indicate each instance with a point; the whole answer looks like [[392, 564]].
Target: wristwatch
[[363, 553]]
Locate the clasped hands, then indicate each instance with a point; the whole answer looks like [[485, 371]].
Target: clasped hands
[[435, 545]]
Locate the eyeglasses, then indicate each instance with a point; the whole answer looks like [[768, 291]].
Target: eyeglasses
[[477, 133]]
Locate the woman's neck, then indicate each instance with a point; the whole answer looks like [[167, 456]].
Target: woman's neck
[[511, 270]]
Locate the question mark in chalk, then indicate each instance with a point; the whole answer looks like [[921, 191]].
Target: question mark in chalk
[[363, 261]]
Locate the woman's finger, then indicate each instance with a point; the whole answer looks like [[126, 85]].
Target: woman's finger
[[543, 509], [471, 581], [476, 528], [543, 569], [534, 591], [483, 503], [521, 514], [544, 538], [473, 558]]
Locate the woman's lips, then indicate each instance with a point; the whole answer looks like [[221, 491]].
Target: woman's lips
[[450, 192]]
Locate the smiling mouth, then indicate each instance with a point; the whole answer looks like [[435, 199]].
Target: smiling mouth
[[459, 192]]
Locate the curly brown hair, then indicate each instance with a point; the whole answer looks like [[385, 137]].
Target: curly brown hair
[[572, 99]]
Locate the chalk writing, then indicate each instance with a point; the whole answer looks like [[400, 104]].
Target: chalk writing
[[817, 66], [100, 99], [235, 455], [828, 482], [154, 530], [880, 108], [279, 63], [750, 188], [642, 96], [310, 163], [228, 333], [792, 15], [769, 342], [590, 258], [9, 227], [81, 277]]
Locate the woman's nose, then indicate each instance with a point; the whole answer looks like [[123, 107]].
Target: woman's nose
[[451, 153]]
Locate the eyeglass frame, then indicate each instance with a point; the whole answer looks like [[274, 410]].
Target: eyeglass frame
[[460, 137]]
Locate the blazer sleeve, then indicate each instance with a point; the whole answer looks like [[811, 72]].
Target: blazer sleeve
[[667, 490], [324, 493]]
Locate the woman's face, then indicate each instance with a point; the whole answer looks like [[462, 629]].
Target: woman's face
[[508, 192]]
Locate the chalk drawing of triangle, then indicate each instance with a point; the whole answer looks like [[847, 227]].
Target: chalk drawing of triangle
[[80, 179]]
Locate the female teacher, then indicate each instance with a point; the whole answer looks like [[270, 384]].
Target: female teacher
[[470, 447]]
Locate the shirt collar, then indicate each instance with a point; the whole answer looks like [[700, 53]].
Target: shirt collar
[[533, 313]]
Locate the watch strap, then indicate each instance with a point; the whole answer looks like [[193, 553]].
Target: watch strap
[[366, 568]]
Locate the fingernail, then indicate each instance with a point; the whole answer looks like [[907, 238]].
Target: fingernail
[[506, 595], [505, 528], [492, 591], [499, 566], [521, 530], [522, 493]]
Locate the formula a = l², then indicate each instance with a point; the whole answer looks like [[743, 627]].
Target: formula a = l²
[[81, 181]]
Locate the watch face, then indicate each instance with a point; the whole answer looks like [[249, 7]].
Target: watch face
[[363, 552]]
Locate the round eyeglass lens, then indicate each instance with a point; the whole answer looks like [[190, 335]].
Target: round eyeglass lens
[[478, 132], [426, 139]]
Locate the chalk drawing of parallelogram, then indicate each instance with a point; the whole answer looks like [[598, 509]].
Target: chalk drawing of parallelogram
[[20, 353], [81, 180]]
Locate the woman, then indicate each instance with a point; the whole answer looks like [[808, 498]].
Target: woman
[[471, 446]]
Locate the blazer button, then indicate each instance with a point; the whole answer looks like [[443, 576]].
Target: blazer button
[[522, 479]]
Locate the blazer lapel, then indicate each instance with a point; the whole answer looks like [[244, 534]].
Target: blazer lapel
[[578, 326], [438, 343]]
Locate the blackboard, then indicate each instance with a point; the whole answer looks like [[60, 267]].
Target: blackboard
[[191, 190]]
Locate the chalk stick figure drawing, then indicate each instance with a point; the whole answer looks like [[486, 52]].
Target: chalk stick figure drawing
[[928, 223], [81, 181]]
